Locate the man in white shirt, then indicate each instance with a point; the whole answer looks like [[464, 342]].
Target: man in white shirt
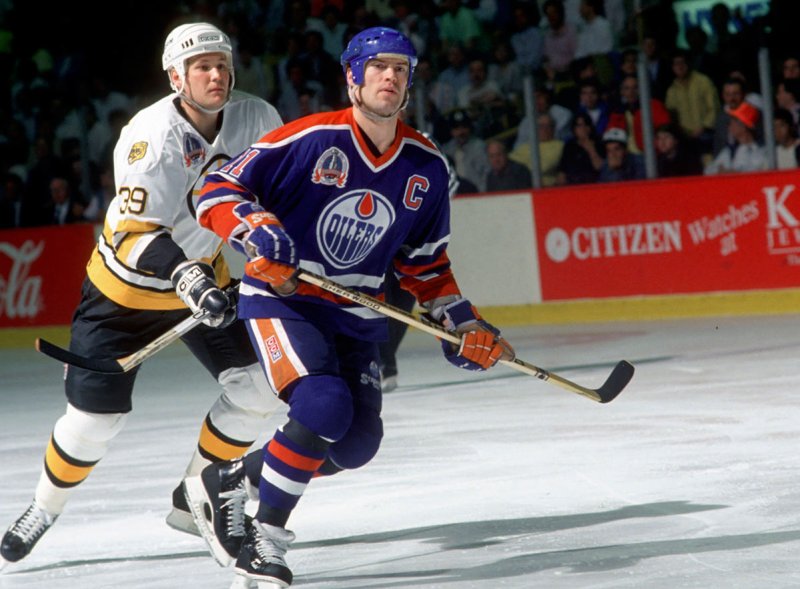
[[594, 32], [745, 155]]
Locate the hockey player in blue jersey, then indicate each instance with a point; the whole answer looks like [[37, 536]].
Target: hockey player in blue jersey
[[344, 195]]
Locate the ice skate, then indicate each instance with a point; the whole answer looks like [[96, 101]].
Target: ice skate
[[388, 383], [24, 533], [180, 518], [217, 499], [261, 558]]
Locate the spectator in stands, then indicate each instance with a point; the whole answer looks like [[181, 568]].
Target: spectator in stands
[[332, 29], [787, 96], [451, 79], [405, 20], [730, 42], [504, 174], [550, 150], [790, 67], [102, 191], [458, 25], [320, 67], [628, 113], [628, 63], [505, 71], [252, 75], [481, 92], [527, 38], [787, 146], [594, 35], [64, 206], [732, 96], [591, 103], [746, 155], [658, 68], [674, 155], [619, 165], [560, 115], [692, 99], [697, 55], [106, 100], [583, 153], [560, 37], [467, 152], [16, 209], [46, 166], [484, 101]]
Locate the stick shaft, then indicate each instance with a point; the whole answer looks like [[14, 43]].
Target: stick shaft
[[611, 388]]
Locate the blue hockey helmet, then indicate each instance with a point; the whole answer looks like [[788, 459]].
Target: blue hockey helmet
[[370, 43]]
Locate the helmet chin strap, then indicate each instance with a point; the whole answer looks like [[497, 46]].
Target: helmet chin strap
[[354, 93], [209, 111]]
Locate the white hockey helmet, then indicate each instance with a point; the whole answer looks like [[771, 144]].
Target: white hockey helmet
[[191, 40]]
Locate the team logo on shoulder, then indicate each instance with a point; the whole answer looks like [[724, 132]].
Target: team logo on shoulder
[[331, 168], [193, 150], [351, 226], [137, 151]]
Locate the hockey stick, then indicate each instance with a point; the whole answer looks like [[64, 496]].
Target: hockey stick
[[126, 363], [618, 379]]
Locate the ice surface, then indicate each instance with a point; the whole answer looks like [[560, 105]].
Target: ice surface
[[688, 479]]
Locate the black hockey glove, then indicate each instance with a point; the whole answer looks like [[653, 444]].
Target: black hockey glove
[[194, 282]]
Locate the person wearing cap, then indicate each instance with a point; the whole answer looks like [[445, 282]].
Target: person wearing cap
[[346, 195], [745, 154], [619, 164], [152, 268]]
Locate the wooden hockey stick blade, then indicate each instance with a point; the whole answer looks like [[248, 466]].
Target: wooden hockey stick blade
[[613, 386], [619, 378], [126, 363]]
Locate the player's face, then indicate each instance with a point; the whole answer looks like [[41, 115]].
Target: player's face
[[385, 82], [208, 78]]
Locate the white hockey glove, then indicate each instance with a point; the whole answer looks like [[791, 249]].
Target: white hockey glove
[[195, 284]]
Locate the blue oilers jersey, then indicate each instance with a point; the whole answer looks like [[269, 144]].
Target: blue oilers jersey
[[351, 213]]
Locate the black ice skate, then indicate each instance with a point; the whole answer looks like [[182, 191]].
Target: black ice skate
[[180, 518], [217, 499], [24, 533], [261, 558]]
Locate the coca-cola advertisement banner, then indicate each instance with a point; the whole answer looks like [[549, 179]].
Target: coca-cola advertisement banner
[[722, 233], [41, 270]]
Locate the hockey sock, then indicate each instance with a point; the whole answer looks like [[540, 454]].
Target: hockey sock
[[290, 460]]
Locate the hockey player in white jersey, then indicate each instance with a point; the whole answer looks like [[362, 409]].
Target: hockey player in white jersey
[[152, 267]]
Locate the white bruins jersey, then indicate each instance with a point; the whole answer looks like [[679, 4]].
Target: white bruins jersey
[[160, 162]]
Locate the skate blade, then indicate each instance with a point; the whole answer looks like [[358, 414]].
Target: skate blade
[[240, 582], [3, 563], [182, 522], [270, 585], [196, 497]]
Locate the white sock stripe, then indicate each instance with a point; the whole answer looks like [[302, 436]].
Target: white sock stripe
[[280, 481]]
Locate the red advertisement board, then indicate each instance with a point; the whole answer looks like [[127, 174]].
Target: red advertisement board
[[41, 270], [708, 234]]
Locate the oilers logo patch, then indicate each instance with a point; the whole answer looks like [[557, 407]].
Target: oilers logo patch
[[331, 168], [273, 349], [193, 150], [351, 226], [137, 152]]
